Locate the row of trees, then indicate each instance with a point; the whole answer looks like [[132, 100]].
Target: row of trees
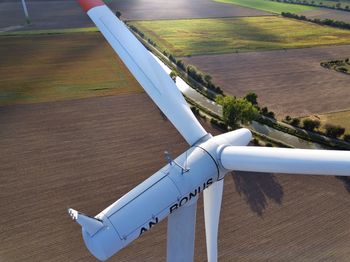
[[195, 74], [192, 71], [314, 125], [337, 5], [328, 22]]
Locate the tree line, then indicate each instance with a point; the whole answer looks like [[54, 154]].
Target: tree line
[[314, 125], [238, 111]]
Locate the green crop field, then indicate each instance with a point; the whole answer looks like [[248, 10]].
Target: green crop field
[[269, 6], [41, 68], [226, 35]]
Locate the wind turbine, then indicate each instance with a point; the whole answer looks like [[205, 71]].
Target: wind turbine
[[25, 10], [173, 191]]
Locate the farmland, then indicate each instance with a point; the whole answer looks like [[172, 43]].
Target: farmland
[[290, 82], [68, 14], [180, 9], [324, 13], [43, 14], [269, 6], [87, 153], [333, 3], [214, 36], [41, 68]]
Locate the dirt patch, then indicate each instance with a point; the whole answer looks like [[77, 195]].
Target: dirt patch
[[87, 153], [324, 13], [290, 82]]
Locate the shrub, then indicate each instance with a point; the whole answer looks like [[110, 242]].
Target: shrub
[[219, 90], [256, 142], [192, 72], [207, 78], [287, 119], [173, 75], [269, 145], [252, 98], [295, 122], [347, 138], [310, 124], [334, 131], [195, 110], [271, 114], [219, 124], [181, 65], [151, 42], [172, 59], [265, 112]]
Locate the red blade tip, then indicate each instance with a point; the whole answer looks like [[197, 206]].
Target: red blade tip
[[88, 4]]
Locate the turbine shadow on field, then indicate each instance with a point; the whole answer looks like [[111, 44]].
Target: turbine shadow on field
[[258, 189], [346, 181]]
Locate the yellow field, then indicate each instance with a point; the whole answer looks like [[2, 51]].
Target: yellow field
[[227, 35], [41, 68]]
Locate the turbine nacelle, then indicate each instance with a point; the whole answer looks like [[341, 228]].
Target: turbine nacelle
[[162, 194]]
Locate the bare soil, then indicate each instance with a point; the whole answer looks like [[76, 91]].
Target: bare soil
[[87, 153], [290, 82], [43, 15], [324, 13], [164, 9], [68, 14]]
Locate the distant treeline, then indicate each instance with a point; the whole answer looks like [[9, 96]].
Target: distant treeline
[[328, 22], [337, 6]]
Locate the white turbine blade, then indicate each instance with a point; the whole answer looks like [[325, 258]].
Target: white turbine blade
[[181, 234], [286, 160], [147, 71], [212, 207]]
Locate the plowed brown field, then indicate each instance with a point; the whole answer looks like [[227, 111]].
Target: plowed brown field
[[68, 14], [87, 153], [324, 13], [290, 82]]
